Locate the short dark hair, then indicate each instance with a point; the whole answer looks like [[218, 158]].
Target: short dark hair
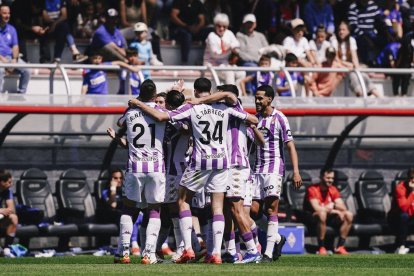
[[148, 90], [265, 58], [269, 92], [230, 88], [175, 98], [202, 85], [5, 175], [290, 57], [131, 52], [116, 170], [162, 94], [326, 170]]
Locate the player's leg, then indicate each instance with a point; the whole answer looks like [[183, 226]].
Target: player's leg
[[135, 234], [164, 232], [230, 255], [346, 225], [154, 191], [8, 226], [321, 217], [271, 185]]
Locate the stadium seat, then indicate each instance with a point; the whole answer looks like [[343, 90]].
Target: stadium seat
[[100, 184], [76, 203], [33, 190], [400, 176], [363, 230]]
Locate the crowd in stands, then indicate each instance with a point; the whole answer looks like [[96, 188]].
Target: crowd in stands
[[235, 33]]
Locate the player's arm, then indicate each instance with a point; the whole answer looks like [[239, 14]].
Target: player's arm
[[258, 136], [228, 97], [126, 66], [339, 205], [154, 113], [297, 180], [251, 119], [317, 207], [121, 141]]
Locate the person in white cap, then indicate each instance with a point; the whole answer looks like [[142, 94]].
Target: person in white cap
[[298, 44], [143, 46], [250, 43]]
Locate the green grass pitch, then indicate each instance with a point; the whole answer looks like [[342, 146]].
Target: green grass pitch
[[385, 264]]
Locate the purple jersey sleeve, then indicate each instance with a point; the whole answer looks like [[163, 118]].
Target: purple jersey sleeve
[[181, 113], [250, 134], [122, 119], [285, 128], [238, 112]]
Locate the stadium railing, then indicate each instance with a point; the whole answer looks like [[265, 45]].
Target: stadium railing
[[212, 71]]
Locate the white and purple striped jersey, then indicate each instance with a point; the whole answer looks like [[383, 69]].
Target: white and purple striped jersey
[[276, 132], [145, 137], [176, 146], [209, 123], [237, 141]]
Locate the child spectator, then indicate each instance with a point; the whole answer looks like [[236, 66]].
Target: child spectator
[[135, 78], [95, 81], [326, 83], [260, 78], [282, 84], [319, 45], [144, 48], [298, 45]]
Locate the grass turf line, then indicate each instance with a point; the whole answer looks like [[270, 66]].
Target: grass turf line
[[385, 264]]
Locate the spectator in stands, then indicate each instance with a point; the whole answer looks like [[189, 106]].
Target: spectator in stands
[[250, 42], [405, 58], [133, 11], [144, 48], [401, 216], [282, 84], [9, 51], [326, 83], [187, 24], [95, 81], [27, 18], [8, 218], [319, 13], [324, 202], [346, 48], [260, 78], [87, 21], [298, 44], [57, 28], [393, 18], [108, 38], [219, 46], [365, 22], [135, 78], [319, 45], [160, 99], [284, 12]]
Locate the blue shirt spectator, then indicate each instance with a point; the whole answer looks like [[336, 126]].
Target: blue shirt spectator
[[8, 40], [96, 81], [5, 195], [281, 81], [103, 37], [134, 82], [319, 12], [53, 8]]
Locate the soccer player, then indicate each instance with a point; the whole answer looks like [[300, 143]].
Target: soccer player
[[8, 217], [270, 165], [239, 174], [208, 167], [145, 176], [324, 202]]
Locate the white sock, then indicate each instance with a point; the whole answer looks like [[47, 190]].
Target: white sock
[[249, 242], [179, 243], [125, 233], [186, 227], [272, 235], [230, 243], [153, 229], [218, 230], [134, 244]]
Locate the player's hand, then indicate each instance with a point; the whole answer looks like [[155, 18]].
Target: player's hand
[[297, 180], [178, 85], [133, 103], [111, 132]]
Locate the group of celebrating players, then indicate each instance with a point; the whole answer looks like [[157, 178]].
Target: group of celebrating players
[[194, 155]]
